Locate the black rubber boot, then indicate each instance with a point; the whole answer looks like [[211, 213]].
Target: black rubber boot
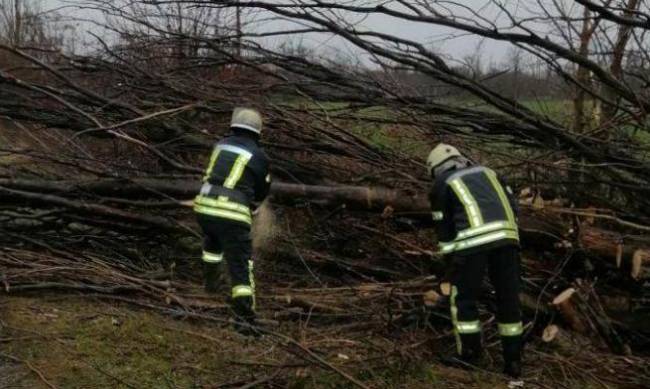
[[470, 355], [512, 356], [471, 350], [512, 369], [244, 316], [213, 277]]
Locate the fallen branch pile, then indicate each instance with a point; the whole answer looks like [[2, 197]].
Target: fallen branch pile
[[101, 154], [341, 317]]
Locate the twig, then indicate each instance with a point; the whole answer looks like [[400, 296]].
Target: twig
[[261, 380], [31, 367]]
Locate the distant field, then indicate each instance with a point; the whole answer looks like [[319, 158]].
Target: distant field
[[369, 123]]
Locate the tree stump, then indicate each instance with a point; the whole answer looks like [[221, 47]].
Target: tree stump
[[640, 259], [565, 303]]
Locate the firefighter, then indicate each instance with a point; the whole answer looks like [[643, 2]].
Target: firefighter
[[476, 225], [236, 180]]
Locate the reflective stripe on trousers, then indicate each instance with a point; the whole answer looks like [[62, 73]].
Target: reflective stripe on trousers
[[246, 290], [211, 257], [461, 327], [511, 329]]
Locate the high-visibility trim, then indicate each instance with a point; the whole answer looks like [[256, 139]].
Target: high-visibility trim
[[511, 329], [241, 152], [268, 178], [478, 241], [222, 213], [237, 150], [236, 172], [437, 215], [492, 176], [213, 161], [212, 258], [471, 207], [223, 203], [468, 327], [242, 291], [489, 227], [464, 172], [454, 318], [251, 280]]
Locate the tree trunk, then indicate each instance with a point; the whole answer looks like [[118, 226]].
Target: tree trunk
[[539, 228], [616, 67]]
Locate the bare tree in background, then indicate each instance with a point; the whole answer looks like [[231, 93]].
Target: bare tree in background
[[12, 24]]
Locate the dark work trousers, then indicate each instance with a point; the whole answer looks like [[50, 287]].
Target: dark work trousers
[[467, 278], [231, 241]]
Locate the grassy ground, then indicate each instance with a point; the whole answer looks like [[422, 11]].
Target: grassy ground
[[70, 342], [88, 344], [64, 341]]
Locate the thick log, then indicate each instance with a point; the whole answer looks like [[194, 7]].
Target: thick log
[[543, 228], [356, 197], [630, 253], [584, 314]]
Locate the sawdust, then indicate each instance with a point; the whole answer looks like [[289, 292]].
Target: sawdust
[[265, 230]]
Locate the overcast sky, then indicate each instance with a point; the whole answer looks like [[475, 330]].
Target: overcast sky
[[442, 39]]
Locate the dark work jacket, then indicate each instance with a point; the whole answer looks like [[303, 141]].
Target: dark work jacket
[[473, 210], [236, 178]]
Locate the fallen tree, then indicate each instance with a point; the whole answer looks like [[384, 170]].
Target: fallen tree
[[557, 225]]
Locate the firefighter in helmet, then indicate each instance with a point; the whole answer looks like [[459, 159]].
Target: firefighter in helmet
[[476, 224], [236, 180]]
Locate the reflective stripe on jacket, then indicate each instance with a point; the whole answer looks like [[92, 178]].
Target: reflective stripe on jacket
[[473, 210], [237, 175]]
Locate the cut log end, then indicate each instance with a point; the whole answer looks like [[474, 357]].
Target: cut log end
[[431, 298], [550, 333], [565, 304], [445, 288], [564, 297], [639, 259]]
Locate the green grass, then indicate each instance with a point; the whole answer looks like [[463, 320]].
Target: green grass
[[84, 344], [401, 139], [77, 342]]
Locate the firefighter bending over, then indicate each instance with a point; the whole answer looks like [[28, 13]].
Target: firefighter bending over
[[237, 177], [476, 225]]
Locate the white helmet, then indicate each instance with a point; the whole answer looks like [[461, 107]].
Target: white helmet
[[247, 119], [440, 154]]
